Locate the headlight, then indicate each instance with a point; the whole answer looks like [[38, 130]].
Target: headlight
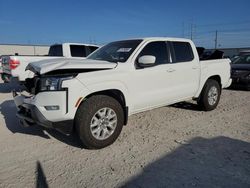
[[52, 83], [49, 84]]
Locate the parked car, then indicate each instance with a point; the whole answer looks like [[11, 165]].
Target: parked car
[[234, 57], [241, 72], [96, 95], [14, 66], [244, 52]]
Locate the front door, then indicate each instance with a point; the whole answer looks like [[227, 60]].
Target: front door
[[153, 86]]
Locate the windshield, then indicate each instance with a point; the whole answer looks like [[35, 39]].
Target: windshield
[[116, 51], [244, 59]]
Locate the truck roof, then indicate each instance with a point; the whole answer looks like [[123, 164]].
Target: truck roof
[[85, 44], [162, 38]]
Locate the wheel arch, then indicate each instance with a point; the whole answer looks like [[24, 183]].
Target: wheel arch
[[114, 93], [213, 77], [216, 78]]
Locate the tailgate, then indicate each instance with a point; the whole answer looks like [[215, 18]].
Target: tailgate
[[5, 65], [16, 69]]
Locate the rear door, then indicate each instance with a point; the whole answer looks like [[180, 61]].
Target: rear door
[[186, 69]]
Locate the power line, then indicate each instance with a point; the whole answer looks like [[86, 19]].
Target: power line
[[225, 23]]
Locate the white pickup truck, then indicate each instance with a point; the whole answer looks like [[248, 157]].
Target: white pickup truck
[[96, 95], [13, 67]]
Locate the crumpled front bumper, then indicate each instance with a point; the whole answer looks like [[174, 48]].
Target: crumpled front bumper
[[29, 114]]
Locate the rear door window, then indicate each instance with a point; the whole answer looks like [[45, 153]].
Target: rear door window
[[78, 50], [182, 52]]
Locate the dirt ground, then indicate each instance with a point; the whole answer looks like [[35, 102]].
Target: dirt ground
[[175, 146]]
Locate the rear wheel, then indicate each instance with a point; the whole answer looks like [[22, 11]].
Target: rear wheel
[[99, 121], [210, 95]]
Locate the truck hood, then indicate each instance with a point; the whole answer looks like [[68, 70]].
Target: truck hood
[[45, 66]]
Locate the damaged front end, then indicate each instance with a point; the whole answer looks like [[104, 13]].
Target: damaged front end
[[46, 101]]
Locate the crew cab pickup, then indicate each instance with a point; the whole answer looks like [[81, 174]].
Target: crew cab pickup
[[96, 95], [14, 66]]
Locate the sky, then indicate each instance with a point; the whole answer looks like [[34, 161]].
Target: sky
[[96, 21]]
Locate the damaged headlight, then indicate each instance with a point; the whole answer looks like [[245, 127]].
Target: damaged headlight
[[52, 83]]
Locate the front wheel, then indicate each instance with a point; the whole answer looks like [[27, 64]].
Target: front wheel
[[99, 121], [210, 95]]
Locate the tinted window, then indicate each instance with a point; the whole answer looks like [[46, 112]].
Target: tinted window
[[157, 49], [56, 50], [77, 51], [90, 49], [244, 59], [115, 51], [183, 51]]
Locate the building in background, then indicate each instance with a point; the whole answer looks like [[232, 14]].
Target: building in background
[[20, 49]]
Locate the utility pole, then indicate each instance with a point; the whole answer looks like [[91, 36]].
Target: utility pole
[[216, 40], [183, 29], [191, 33]]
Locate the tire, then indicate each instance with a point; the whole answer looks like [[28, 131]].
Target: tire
[[208, 99], [88, 121]]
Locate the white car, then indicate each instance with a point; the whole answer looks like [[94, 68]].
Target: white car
[[14, 66], [96, 95]]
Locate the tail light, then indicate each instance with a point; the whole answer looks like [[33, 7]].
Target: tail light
[[14, 63]]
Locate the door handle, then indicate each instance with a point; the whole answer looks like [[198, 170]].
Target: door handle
[[195, 67], [170, 70]]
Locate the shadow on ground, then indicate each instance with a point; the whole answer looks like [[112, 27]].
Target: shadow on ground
[[8, 110], [41, 181], [187, 106], [218, 162]]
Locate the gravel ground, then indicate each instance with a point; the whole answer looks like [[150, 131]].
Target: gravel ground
[[176, 146]]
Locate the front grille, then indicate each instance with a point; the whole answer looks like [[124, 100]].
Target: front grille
[[25, 111], [32, 85]]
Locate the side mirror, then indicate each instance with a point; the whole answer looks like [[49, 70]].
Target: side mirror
[[146, 61]]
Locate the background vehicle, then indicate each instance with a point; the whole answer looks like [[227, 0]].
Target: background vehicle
[[96, 95], [241, 71], [244, 52], [14, 66]]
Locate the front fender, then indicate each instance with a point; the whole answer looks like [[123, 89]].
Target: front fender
[[110, 85]]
